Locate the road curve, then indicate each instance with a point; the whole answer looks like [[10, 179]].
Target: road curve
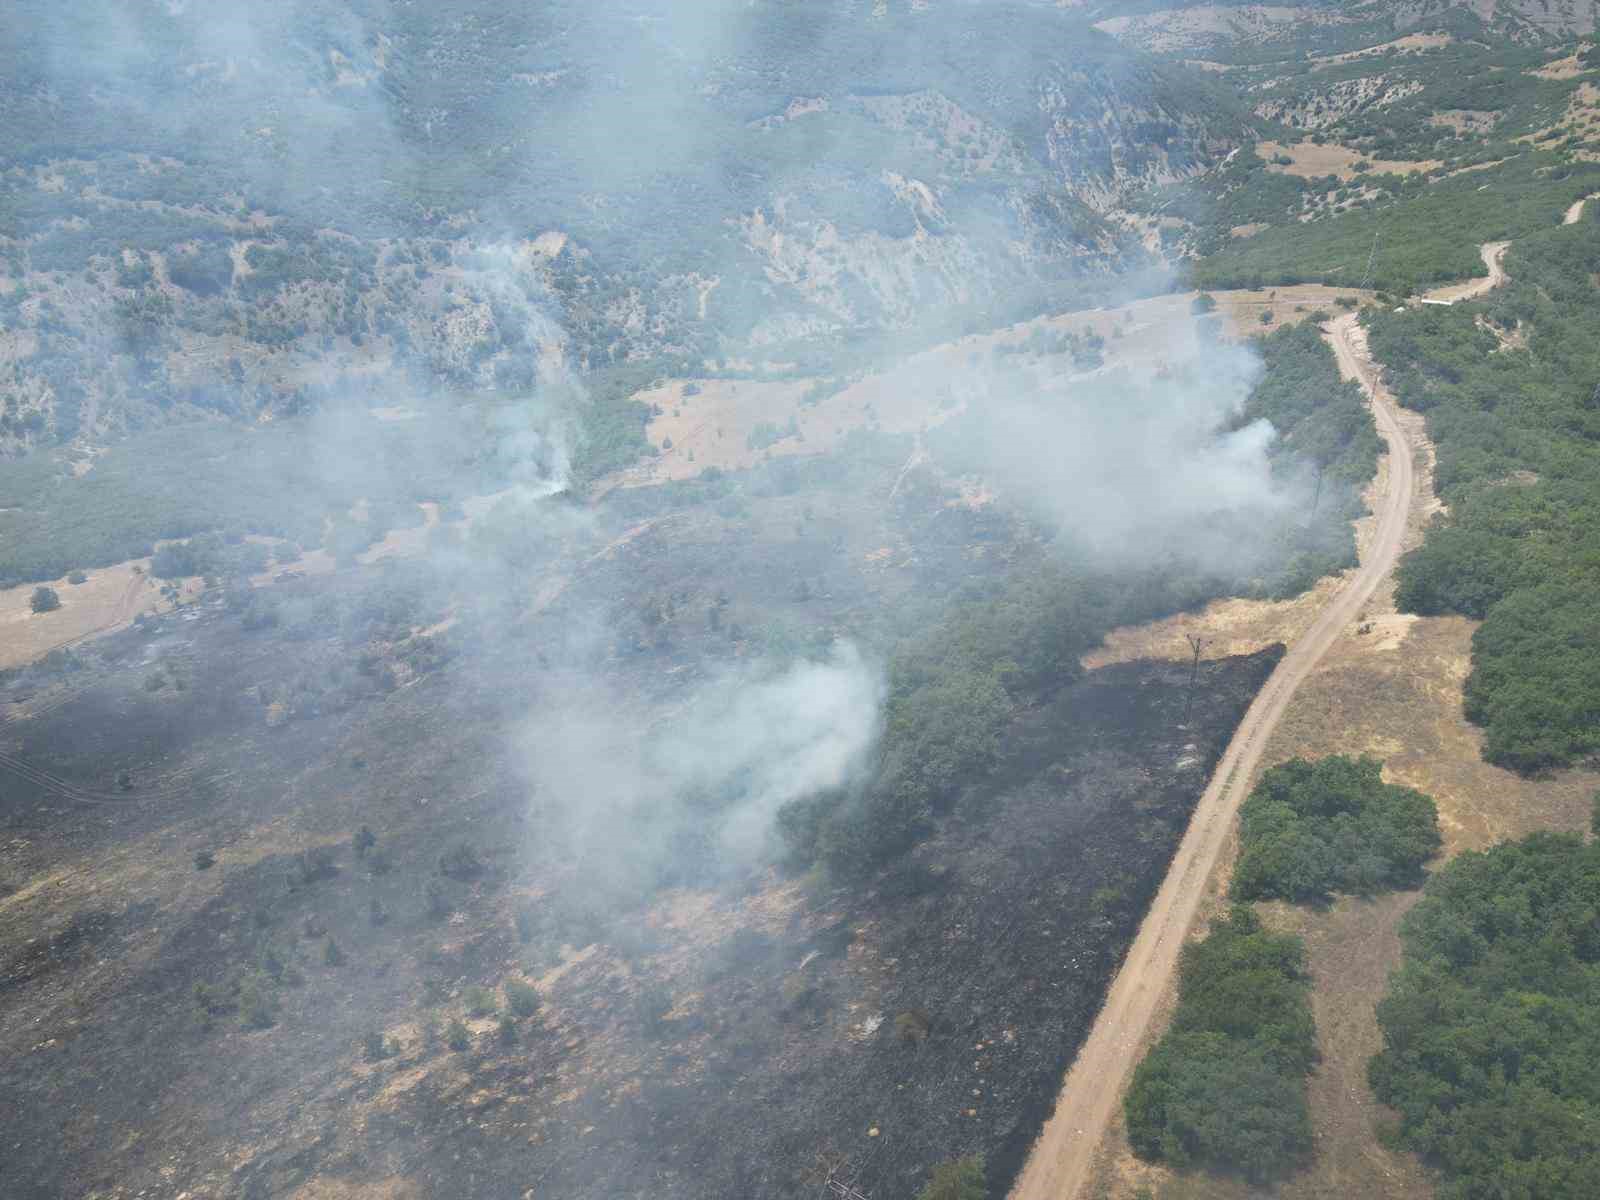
[[1058, 1167]]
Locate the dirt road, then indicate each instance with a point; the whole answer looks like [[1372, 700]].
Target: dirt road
[[1574, 211], [1450, 293], [1059, 1165]]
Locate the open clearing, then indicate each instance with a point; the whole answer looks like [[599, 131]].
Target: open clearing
[[108, 600], [713, 425], [1313, 161], [1412, 43]]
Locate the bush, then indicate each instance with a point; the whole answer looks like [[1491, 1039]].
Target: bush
[[311, 866], [523, 997], [1225, 1088], [258, 1002], [479, 1001], [460, 862], [1310, 829], [457, 1036], [958, 1179], [332, 955], [204, 860], [373, 1047], [44, 600], [77, 577]]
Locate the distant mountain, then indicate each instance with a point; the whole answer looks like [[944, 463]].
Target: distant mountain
[[230, 210]]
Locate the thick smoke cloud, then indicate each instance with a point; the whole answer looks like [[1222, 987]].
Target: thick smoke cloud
[[1135, 465], [693, 796]]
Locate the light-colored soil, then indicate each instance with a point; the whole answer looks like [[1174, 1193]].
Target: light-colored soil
[[1241, 308], [1561, 68], [109, 600], [1412, 43], [1312, 161], [1574, 212], [713, 428], [1493, 255], [1062, 1159]]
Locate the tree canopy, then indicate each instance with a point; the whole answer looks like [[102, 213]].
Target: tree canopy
[[1310, 829], [1225, 1088], [1491, 1028]]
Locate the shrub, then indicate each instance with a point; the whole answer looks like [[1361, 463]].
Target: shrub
[[315, 864], [507, 1031], [457, 1036], [77, 577], [258, 1002], [958, 1179], [373, 1047], [204, 860], [523, 997], [913, 1026], [332, 955], [438, 899], [460, 862], [44, 600], [479, 1001]]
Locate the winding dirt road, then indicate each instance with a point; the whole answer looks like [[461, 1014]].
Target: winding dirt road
[[1060, 1163], [1450, 293]]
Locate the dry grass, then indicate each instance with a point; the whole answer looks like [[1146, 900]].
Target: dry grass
[[1311, 161], [1412, 43], [108, 600], [1561, 68]]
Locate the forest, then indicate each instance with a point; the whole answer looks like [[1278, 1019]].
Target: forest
[[1310, 829], [1508, 388], [1491, 1028], [1224, 1088]]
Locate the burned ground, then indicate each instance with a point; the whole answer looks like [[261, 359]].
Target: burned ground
[[285, 1014]]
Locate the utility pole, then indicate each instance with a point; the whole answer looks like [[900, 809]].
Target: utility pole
[[1197, 644], [1373, 257]]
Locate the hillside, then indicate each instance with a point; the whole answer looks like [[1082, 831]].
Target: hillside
[[656, 600], [239, 219]]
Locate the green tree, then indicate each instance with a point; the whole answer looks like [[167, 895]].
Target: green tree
[[44, 600]]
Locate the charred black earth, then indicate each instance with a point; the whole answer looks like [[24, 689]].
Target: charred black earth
[[212, 985]]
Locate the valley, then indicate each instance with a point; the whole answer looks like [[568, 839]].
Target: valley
[[682, 600]]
